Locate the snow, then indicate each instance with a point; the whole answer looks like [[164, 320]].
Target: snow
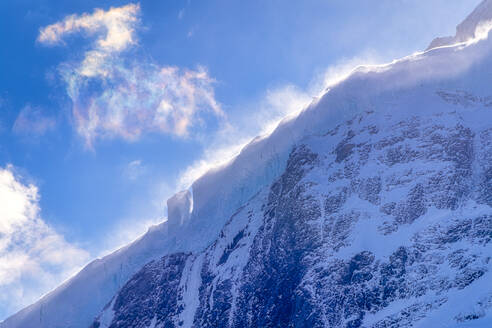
[[411, 82], [404, 88], [467, 30], [178, 209], [107, 315], [190, 284], [153, 323], [465, 301], [245, 222], [76, 302]]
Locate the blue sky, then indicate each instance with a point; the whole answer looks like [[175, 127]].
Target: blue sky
[[105, 114]]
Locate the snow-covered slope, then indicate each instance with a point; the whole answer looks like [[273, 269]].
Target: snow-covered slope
[[387, 176], [383, 221]]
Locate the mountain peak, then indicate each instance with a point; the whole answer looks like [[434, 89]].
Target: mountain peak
[[483, 13], [467, 29]]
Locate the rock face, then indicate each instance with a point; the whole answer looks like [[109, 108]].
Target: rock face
[[370, 225]]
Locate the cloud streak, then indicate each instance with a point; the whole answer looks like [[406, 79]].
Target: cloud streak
[[118, 96], [34, 258], [32, 121]]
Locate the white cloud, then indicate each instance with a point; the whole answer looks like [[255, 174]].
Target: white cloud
[[34, 258], [117, 95], [32, 121]]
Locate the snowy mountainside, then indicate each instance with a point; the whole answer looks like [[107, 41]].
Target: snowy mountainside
[[371, 208], [370, 225]]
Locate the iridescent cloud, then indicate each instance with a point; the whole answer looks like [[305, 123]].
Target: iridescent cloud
[[115, 95]]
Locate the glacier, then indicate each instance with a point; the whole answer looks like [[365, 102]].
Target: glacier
[[391, 174]]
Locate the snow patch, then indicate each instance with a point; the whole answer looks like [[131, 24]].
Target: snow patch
[[190, 283], [107, 315]]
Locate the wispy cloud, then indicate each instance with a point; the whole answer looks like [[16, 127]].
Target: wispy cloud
[[134, 170], [32, 121], [140, 218], [33, 257], [261, 119], [264, 115], [115, 95], [126, 231]]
